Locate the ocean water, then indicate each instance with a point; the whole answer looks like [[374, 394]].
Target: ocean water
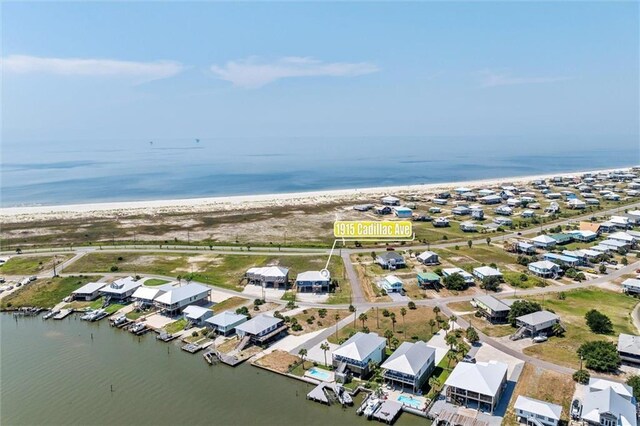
[[63, 172]]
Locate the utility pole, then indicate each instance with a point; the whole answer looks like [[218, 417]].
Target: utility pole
[[54, 266]]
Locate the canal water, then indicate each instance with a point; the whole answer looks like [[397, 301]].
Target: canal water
[[55, 373]]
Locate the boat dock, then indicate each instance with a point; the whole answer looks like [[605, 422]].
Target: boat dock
[[166, 337], [317, 394], [323, 392], [193, 347], [62, 314], [388, 411]]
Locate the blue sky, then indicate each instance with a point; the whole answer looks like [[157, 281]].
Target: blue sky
[[120, 70]]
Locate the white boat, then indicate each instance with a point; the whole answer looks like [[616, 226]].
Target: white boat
[[94, 315], [372, 406], [137, 328], [119, 321], [49, 314]]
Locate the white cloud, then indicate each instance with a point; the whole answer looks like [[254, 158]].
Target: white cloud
[[251, 73], [496, 79], [143, 71]]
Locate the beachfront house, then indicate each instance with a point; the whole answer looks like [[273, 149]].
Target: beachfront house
[[197, 315], [261, 330], [608, 403], [225, 323], [313, 281], [461, 211], [535, 323], [494, 310], [562, 239], [409, 366], [175, 300], [390, 201], [144, 296], [268, 276], [428, 258], [120, 291], [532, 411], [391, 284], [402, 212], [483, 272], [629, 348], [561, 259], [490, 199], [358, 355], [428, 279], [390, 260], [543, 241], [478, 386], [88, 292], [631, 286], [468, 278], [468, 226]]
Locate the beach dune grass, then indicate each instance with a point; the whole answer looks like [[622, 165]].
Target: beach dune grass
[[45, 293], [31, 265]]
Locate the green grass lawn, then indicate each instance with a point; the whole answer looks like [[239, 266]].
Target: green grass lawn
[[562, 350], [154, 281], [44, 293], [176, 326], [514, 279], [477, 255], [231, 303], [31, 265], [114, 307]]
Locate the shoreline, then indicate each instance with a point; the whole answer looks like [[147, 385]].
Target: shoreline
[[248, 202]]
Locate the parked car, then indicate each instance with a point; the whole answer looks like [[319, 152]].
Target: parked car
[[2, 280], [576, 409], [469, 359], [540, 338], [33, 278]]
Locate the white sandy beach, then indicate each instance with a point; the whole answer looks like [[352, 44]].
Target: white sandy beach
[[249, 202]]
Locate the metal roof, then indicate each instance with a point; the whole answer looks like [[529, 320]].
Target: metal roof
[[482, 377], [629, 343], [409, 358], [535, 406], [89, 288], [537, 318], [359, 346], [226, 318], [312, 276], [607, 400], [258, 324], [179, 294]]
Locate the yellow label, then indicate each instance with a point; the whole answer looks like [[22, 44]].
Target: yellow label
[[372, 229]]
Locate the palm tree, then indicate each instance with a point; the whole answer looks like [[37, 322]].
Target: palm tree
[[403, 312], [325, 347], [436, 310], [450, 357], [432, 323], [303, 353], [451, 340], [434, 383], [337, 318], [363, 318], [388, 334], [395, 342], [452, 320], [393, 321]]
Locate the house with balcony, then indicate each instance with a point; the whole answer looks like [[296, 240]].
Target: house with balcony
[[390, 260], [88, 292], [629, 348], [225, 323], [121, 290], [313, 282], [477, 386], [261, 329], [530, 411], [608, 403], [409, 366], [631, 286], [391, 284], [428, 258], [545, 269], [175, 300], [268, 276], [468, 278], [358, 355], [494, 310], [428, 279]]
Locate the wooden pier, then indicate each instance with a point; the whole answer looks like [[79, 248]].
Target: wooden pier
[[63, 314]]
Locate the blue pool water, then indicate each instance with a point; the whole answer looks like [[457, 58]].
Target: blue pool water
[[319, 374], [410, 401]]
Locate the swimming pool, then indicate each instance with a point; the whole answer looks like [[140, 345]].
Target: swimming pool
[[319, 374], [410, 401]]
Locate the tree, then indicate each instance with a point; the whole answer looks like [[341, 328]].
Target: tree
[[624, 261], [303, 353], [522, 307], [434, 383], [450, 357], [393, 321], [582, 376], [403, 312], [452, 321], [470, 243], [436, 310], [450, 339], [634, 382], [454, 282], [325, 347], [472, 335], [363, 318], [491, 283], [432, 323], [598, 322], [602, 268], [388, 334], [488, 240], [411, 305], [600, 355], [557, 329], [395, 342]]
